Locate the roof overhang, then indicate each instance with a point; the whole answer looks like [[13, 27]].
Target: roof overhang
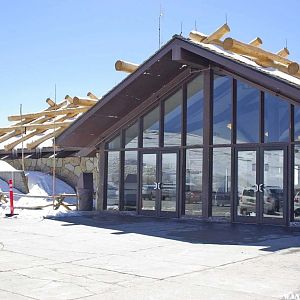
[[165, 65]]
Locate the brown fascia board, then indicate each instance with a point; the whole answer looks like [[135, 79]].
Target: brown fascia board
[[116, 90]]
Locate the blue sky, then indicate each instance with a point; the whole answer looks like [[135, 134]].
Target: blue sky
[[75, 43]]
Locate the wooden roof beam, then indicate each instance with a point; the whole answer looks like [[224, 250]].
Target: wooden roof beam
[[84, 102], [199, 37], [52, 113], [9, 136], [92, 96], [125, 66], [260, 54], [36, 126], [69, 99], [46, 137], [217, 35], [283, 52], [256, 42]]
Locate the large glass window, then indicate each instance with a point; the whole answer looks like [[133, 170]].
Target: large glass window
[[194, 114], [222, 122], [248, 99], [115, 143], [130, 180], [297, 123], [131, 136], [297, 184], [113, 180], [221, 182], [151, 129], [277, 119], [193, 182], [172, 120]]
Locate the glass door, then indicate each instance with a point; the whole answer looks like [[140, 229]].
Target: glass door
[[246, 187], [273, 187], [159, 183], [260, 185]]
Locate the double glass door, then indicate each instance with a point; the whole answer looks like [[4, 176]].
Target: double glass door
[[260, 185], [159, 183]]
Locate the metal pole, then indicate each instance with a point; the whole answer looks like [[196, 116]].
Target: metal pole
[[54, 154], [23, 163]]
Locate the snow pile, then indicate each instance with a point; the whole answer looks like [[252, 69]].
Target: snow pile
[[40, 184], [4, 166]]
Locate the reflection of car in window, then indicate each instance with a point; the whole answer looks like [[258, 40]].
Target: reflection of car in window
[[297, 204], [273, 200], [222, 198]]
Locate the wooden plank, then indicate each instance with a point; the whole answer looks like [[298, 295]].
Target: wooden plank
[[256, 42], [92, 96], [84, 102], [283, 52]]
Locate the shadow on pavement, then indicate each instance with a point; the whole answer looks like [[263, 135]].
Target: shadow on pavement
[[270, 238]]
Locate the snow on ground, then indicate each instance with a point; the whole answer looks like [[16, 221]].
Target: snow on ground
[[40, 184]]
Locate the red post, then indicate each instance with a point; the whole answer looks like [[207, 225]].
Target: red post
[[11, 196]]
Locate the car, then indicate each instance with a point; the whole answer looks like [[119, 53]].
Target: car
[[222, 198], [297, 204], [273, 200]]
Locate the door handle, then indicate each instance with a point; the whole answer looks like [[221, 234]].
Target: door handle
[[156, 186], [256, 188], [159, 185], [261, 187]]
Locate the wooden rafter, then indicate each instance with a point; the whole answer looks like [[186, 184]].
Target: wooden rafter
[[218, 34], [50, 113], [256, 42], [84, 101], [92, 96], [125, 66], [44, 138]]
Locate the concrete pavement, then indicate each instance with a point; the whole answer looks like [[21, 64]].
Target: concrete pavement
[[126, 257]]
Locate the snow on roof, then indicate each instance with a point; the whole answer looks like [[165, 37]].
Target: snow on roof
[[37, 130], [240, 58]]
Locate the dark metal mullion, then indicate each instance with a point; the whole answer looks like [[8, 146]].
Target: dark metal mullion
[[105, 179], [262, 118], [161, 123], [234, 112], [184, 116], [182, 181], [260, 164], [121, 183], [233, 183], [290, 165], [207, 138]]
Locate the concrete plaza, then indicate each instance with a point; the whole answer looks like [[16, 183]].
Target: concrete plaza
[[107, 256]]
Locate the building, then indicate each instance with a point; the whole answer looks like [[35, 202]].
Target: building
[[205, 128]]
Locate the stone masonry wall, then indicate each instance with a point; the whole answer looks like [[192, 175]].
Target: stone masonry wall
[[68, 169]]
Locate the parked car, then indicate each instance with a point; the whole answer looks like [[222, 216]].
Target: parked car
[[297, 204], [222, 198], [273, 200]]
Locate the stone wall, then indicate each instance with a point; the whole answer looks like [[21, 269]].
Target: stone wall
[[68, 169]]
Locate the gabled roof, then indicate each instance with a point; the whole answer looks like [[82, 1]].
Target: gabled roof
[[169, 63]]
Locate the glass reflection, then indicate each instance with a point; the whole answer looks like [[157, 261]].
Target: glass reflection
[[151, 129], [149, 182], [297, 184], [277, 119], [248, 99], [297, 123], [169, 182], [193, 182], [130, 180], [194, 117], [222, 110], [246, 183], [221, 182], [131, 136], [172, 120], [273, 183], [115, 143], [113, 180]]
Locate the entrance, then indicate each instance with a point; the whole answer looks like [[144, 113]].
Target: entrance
[[159, 183], [260, 185]]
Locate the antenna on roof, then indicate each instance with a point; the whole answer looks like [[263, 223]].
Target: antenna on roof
[[159, 26], [181, 27], [54, 152], [286, 43], [226, 19], [195, 25], [21, 115]]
